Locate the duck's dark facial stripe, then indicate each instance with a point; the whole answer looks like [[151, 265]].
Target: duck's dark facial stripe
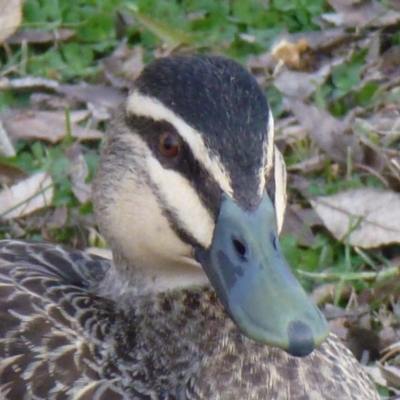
[[221, 99], [143, 106], [173, 219], [185, 163]]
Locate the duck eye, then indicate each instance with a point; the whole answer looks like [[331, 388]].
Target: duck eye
[[170, 145]]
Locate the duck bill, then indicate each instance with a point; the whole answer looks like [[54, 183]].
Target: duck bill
[[254, 282]]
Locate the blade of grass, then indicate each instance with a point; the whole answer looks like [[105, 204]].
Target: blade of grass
[[165, 33], [367, 276]]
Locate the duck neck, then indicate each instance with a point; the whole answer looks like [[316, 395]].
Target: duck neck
[[193, 313], [125, 283]]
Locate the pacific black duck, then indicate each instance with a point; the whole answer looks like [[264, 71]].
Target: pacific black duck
[[198, 302]]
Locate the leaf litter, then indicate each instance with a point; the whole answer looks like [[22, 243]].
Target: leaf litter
[[361, 138], [337, 123]]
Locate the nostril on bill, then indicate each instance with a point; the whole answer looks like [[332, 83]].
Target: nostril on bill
[[239, 247], [274, 241]]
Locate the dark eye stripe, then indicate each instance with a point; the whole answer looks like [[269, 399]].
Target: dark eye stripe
[[186, 164], [173, 219]]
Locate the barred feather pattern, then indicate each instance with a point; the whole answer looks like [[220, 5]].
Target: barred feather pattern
[[59, 339]]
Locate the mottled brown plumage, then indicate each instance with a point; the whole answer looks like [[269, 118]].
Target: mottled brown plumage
[[59, 340], [74, 326]]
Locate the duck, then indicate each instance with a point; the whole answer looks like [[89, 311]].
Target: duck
[[198, 301]]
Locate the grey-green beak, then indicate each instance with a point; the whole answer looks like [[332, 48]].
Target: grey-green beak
[[254, 282]]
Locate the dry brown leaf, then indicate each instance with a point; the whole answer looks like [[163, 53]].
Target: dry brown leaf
[[361, 14], [323, 293], [28, 83], [6, 147], [368, 216], [288, 52], [326, 39], [388, 335], [97, 251], [290, 135], [297, 50], [10, 174], [56, 219], [10, 18], [50, 126], [300, 183], [294, 225], [36, 36], [329, 133], [375, 374], [391, 374], [385, 122], [124, 65], [300, 85], [262, 63], [337, 319], [390, 352], [26, 196], [101, 96], [52, 102], [313, 164]]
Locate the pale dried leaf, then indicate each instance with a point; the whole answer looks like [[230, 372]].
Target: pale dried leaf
[[36, 36], [124, 65], [10, 18], [300, 85], [99, 95], [388, 64], [391, 351], [297, 84], [28, 82], [98, 112], [368, 216], [325, 39], [52, 102], [292, 134], [26, 196], [323, 294], [97, 251], [50, 126], [361, 14], [387, 336], [330, 134], [6, 147], [383, 123], [9, 174], [57, 219], [309, 165], [263, 62], [247, 37], [375, 374], [338, 327], [391, 374], [79, 116], [374, 51], [294, 225]]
